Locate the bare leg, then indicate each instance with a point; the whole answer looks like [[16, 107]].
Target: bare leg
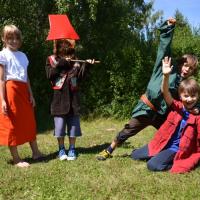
[[72, 141], [130, 129], [61, 141], [16, 158], [35, 151], [114, 144]]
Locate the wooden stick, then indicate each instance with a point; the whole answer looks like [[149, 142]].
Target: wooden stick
[[83, 61]]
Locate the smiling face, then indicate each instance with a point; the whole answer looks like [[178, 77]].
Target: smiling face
[[13, 42], [189, 92], [189, 100], [11, 37]]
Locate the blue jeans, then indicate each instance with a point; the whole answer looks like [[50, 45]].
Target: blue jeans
[[160, 162], [72, 122]]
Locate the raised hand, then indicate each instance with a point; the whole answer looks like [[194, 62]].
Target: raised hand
[[166, 66], [171, 21]]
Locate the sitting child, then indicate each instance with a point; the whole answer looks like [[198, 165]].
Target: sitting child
[[176, 145]]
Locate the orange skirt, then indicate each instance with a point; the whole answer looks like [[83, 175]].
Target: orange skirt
[[19, 125]]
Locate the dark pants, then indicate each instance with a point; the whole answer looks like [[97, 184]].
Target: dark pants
[[160, 162], [137, 124]]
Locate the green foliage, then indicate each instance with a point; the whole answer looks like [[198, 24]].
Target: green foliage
[[111, 36]]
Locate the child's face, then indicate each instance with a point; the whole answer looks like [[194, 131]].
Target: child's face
[[63, 46], [187, 69], [189, 100], [13, 42]]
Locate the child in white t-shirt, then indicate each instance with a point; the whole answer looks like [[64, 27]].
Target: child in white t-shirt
[[17, 120]]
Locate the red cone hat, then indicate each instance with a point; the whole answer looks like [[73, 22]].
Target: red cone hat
[[61, 28]]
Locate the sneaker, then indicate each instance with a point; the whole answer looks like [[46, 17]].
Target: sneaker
[[71, 154], [104, 155], [62, 155]]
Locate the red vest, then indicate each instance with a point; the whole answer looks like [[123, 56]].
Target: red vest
[[188, 154]]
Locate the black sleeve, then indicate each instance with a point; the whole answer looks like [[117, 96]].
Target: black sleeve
[[63, 65]]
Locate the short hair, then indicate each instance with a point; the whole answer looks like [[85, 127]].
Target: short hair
[[10, 30], [186, 58], [189, 85]]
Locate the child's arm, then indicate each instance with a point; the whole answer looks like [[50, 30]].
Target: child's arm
[[83, 69], [32, 100], [164, 48], [4, 109], [166, 69]]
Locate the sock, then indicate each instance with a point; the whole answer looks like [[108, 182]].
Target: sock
[[110, 149], [71, 146], [61, 147]]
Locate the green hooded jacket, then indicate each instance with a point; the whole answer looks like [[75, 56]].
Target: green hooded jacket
[[153, 91]]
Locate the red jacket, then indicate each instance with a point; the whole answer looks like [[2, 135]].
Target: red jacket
[[188, 154]]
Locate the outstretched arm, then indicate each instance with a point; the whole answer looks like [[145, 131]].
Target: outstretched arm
[[164, 48], [166, 69]]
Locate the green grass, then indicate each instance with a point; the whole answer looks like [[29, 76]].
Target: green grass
[[88, 179]]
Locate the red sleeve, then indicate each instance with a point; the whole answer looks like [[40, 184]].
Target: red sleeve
[[176, 105], [198, 134]]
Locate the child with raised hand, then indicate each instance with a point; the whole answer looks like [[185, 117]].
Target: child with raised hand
[[176, 145], [17, 121], [65, 75], [151, 108]]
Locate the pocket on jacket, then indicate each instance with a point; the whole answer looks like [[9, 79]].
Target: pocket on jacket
[[187, 142]]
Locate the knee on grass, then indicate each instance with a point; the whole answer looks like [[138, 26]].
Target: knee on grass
[[153, 166], [136, 155]]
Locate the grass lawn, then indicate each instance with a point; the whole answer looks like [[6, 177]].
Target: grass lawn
[[88, 179]]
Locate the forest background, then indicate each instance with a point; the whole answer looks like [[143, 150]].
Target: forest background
[[122, 34]]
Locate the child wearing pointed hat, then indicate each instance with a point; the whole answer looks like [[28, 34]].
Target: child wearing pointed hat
[[64, 75]]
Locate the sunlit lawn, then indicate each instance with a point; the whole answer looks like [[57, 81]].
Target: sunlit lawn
[[86, 178]]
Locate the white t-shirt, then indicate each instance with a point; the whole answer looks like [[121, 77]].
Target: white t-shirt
[[15, 64]]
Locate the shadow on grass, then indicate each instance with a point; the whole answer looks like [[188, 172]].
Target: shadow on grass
[[80, 150], [92, 149], [127, 145], [44, 159], [98, 148]]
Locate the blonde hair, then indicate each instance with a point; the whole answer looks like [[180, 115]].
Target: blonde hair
[[10, 30]]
